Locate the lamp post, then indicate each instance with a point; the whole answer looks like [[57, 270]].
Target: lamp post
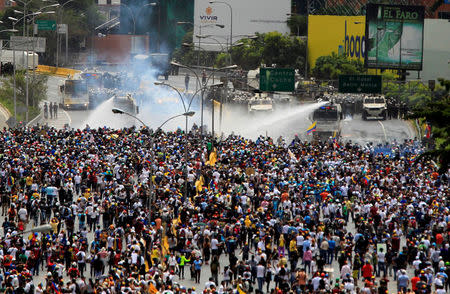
[[214, 70], [159, 21], [152, 154], [186, 110], [15, 21], [25, 4], [140, 10], [231, 23], [33, 20], [58, 21], [200, 31]]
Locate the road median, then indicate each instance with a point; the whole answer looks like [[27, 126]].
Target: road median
[[57, 71]]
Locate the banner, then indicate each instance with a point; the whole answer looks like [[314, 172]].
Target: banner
[[394, 36], [334, 33]]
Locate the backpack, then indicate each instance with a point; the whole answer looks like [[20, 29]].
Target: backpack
[[82, 217], [79, 256], [214, 266]]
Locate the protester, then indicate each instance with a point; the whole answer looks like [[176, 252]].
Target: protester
[[254, 212]]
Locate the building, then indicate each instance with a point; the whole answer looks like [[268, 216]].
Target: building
[[109, 8], [5, 4]]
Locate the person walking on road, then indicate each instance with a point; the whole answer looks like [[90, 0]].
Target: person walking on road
[[50, 108], [45, 110], [55, 110], [186, 81], [198, 269]]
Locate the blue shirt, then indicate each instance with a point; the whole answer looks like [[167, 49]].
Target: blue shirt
[[403, 281], [331, 244], [198, 264]]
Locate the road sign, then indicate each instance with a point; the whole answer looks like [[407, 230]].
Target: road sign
[[62, 28], [370, 84], [277, 79], [36, 44], [46, 25]]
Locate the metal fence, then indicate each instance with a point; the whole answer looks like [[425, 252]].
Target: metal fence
[[354, 7]]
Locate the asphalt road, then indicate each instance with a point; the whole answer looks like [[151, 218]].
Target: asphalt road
[[286, 121], [332, 269]]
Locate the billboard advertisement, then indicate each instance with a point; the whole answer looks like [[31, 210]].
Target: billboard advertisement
[[436, 53], [395, 36], [247, 17], [338, 34]]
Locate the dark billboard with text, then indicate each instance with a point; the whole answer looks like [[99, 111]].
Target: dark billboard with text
[[394, 36]]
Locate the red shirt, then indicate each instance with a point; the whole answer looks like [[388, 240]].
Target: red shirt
[[367, 270], [439, 238], [414, 281]]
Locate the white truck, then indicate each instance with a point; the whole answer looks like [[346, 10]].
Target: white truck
[[19, 58], [260, 103], [374, 107]]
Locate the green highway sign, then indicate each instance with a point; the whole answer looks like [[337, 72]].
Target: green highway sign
[[46, 25], [277, 79], [370, 84]]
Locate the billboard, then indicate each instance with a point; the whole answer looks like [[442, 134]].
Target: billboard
[[436, 53], [338, 34], [249, 17], [395, 36]]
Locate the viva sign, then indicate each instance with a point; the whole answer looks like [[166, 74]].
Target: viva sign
[[354, 45]]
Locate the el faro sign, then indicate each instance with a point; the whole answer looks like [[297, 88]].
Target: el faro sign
[[397, 13]]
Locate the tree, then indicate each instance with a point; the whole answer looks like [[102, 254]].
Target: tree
[[190, 54], [331, 66], [37, 89], [81, 17], [297, 24], [271, 48], [436, 113]]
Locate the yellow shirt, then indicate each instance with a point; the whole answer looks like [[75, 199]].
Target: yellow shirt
[[29, 181], [155, 254], [247, 222], [293, 245]]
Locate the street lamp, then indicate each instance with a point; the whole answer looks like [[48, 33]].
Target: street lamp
[[120, 111], [159, 21], [231, 23], [186, 111], [152, 154], [198, 81], [200, 30], [9, 30]]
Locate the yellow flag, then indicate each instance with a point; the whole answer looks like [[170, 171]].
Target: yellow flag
[[240, 291], [152, 289], [213, 158]]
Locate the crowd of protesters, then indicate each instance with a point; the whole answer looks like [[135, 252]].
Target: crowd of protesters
[[259, 216]]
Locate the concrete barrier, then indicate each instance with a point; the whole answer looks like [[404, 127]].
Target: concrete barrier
[[57, 71]]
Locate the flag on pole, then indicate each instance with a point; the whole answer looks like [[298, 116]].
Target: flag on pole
[[335, 142], [428, 131], [311, 128], [292, 155]]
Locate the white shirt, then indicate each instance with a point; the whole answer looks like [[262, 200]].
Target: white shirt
[[214, 244], [260, 271]]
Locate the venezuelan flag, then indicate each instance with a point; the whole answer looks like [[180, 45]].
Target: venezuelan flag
[[366, 180], [311, 128]]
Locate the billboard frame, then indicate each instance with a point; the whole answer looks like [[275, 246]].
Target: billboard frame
[[379, 11]]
